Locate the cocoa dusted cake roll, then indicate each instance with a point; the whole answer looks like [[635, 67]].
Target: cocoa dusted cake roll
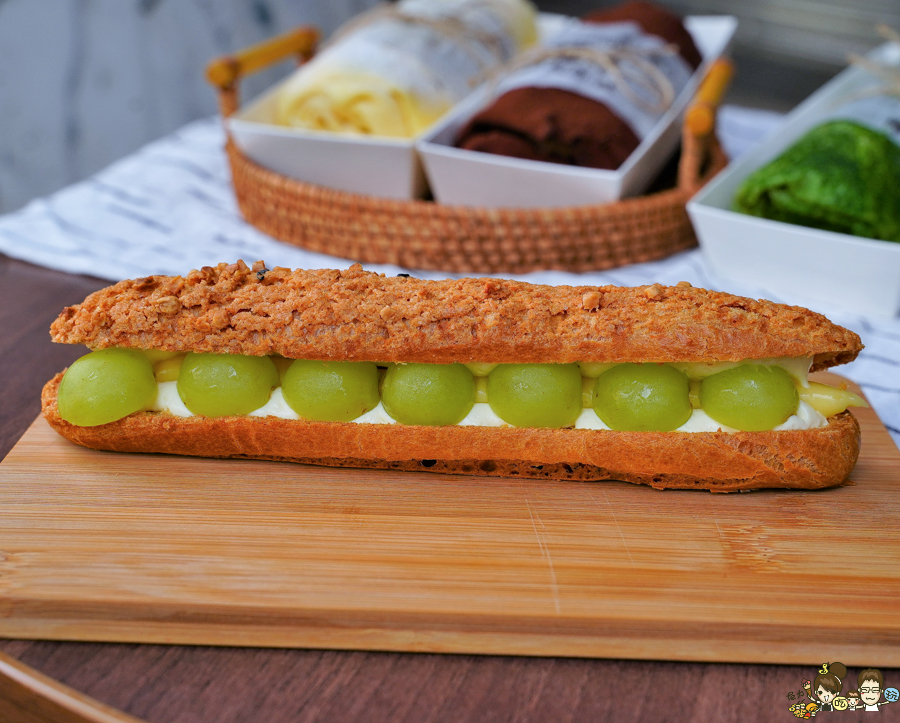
[[565, 125], [654, 20]]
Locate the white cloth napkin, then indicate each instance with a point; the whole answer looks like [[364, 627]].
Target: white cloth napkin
[[170, 208]]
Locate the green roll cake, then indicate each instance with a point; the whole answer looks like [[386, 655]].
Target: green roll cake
[[841, 176]]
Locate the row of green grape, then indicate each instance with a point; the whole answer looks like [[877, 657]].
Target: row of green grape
[[109, 384]]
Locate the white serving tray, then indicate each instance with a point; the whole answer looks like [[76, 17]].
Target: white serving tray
[[370, 165], [858, 274], [473, 178]]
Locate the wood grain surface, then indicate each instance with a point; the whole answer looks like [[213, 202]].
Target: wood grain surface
[[182, 684], [27, 696], [158, 548]]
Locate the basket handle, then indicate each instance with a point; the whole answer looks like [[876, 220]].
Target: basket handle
[[698, 138], [225, 73], [27, 695]]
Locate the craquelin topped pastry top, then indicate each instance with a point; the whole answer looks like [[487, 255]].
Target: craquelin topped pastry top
[[363, 316]]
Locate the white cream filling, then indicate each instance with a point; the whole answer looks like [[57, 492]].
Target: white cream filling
[[168, 400], [378, 415], [805, 418], [275, 407], [700, 421], [588, 419], [481, 415]]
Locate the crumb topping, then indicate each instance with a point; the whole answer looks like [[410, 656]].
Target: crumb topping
[[364, 316]]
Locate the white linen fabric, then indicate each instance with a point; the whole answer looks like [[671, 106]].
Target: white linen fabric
[[170, 208]]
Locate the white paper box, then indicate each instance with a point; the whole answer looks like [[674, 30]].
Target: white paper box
[[371, 165], [858, 274], [384, 167], [472, 178]]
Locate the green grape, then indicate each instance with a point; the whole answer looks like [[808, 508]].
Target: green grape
[[642, 398], [536, 395], [428, 394], [225, 385], [330, 391], [104, 386], [750, 397]]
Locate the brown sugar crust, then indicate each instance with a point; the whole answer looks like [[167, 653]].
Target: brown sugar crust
[[359, 315], [717, 461]]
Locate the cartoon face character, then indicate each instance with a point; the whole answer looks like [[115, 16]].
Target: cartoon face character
[[827, 685], [870, 692]]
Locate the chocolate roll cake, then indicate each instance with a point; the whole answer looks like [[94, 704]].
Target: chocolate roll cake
[[559, 125]]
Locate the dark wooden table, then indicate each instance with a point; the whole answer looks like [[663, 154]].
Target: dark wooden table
[[180, 684]]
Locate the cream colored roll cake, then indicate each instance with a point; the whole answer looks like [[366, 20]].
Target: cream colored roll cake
[[675, 387]]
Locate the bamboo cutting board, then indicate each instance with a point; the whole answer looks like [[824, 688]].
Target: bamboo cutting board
[[145, 548]]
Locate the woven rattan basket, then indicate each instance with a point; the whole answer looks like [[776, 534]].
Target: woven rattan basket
[[428, 235]]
